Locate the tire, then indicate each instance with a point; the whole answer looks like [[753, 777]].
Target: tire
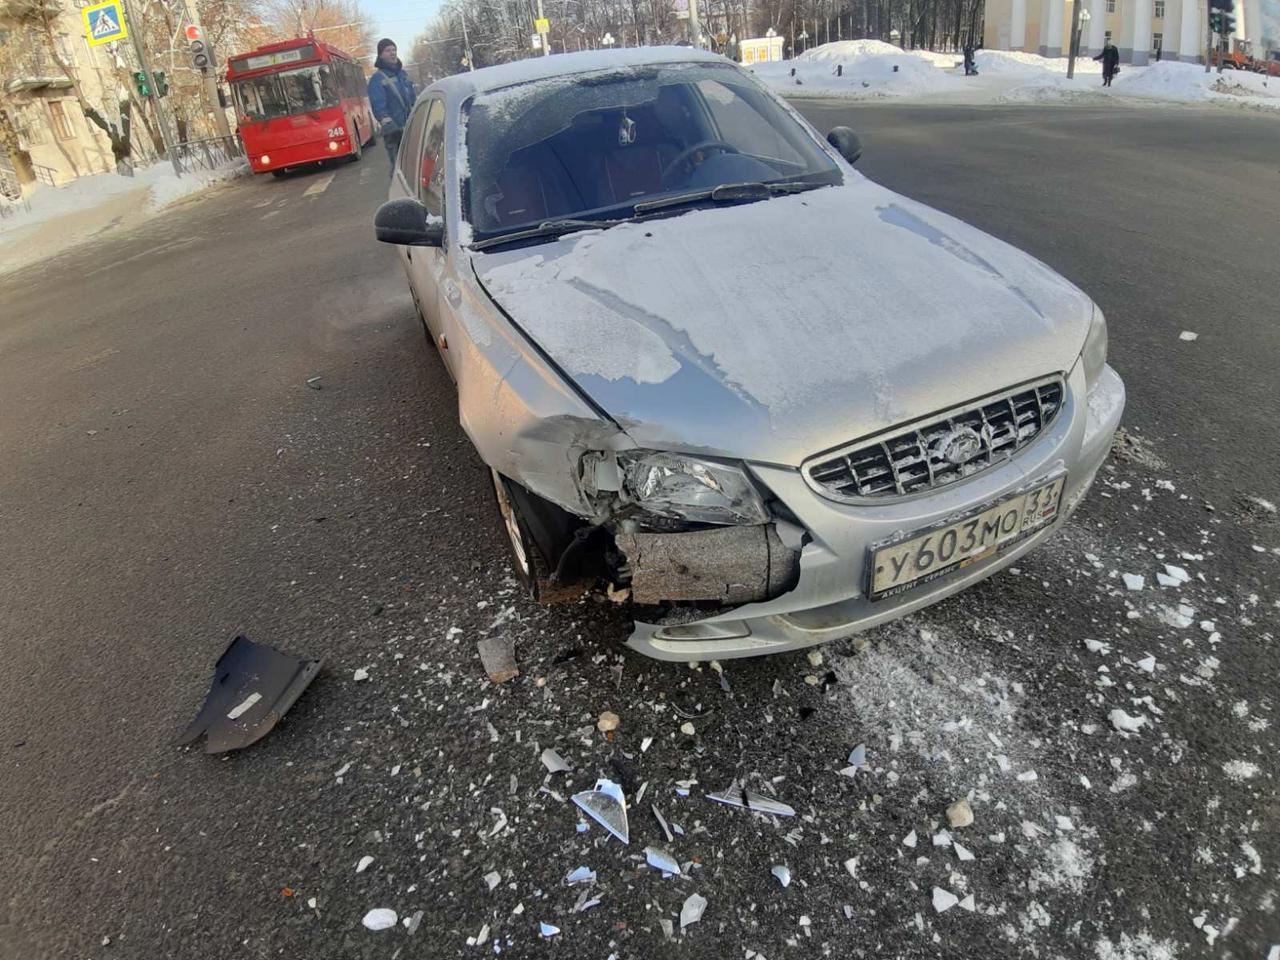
[[526, 558], [357, 149], [281, 173]]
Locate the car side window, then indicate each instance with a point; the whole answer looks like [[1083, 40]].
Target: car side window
[[411, 145], [431, 169]]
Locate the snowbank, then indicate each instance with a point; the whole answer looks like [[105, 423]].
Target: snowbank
[[1188, 83], [156, 186], [870, 69]]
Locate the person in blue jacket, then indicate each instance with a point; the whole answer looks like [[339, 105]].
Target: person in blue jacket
[[391, 96]]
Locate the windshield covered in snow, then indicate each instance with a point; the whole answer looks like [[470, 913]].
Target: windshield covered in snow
[[286, 93], [593, 146]]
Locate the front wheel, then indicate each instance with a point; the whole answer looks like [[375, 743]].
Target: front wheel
[[357, 148], [530, 566]]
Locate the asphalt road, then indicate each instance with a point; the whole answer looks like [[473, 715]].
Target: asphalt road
[[167, 479]]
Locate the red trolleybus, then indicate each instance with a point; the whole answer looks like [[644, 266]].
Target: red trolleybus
[[298, 102]]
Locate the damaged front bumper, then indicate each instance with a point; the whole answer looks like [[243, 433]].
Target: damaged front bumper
[[827, 599]]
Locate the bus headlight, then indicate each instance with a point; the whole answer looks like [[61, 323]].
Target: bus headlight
[[264, 159], [333, 146]]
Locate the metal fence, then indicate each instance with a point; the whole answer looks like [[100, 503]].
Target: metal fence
[[209, 153], [46, 175]]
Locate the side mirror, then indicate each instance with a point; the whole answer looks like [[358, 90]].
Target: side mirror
[[847, 142], [406, 223]]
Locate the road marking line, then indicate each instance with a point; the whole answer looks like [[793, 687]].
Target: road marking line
[[364, 175], [320, 186]]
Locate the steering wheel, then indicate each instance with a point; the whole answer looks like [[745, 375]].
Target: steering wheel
[[689, 152]]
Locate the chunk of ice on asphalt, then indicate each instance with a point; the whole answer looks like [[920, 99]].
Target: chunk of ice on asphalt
[[1208, 626], [492, 879], [580, 875], [661, 860], [910, 840], [1188, 335], [548, 929], [961, 850], [968, 903], [1028, 776], [1064, 823], [783, 874], [692, 909], [1125, 723], [554, 762], [942, 839], [380, 918], [943, 900], [1178, 573], [1167, 581], [360, 674], [1134, 581], [1147, 664], [1096, 646], [852, 866], [364, 863]]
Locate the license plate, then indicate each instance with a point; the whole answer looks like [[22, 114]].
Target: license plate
[[899, 566]]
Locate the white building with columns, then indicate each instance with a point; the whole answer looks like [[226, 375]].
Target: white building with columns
[[1143, 30]]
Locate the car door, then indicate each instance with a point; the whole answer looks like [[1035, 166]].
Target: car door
[[429, 266]]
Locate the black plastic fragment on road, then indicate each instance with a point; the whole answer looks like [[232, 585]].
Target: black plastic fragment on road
[[253, 686]]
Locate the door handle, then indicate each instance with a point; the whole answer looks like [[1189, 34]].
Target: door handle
[[408, 252]]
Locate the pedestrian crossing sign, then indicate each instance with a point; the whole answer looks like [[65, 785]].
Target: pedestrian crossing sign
[[104, 22]]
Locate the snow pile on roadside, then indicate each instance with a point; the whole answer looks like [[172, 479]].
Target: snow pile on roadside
[[162, 188], [1030, 65], [1187, 82], [870, 69]]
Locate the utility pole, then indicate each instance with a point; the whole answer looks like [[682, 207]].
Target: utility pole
[[144, 65], [1082, 17], [546, 47], [209, 75], [695, 28], [466, 42]]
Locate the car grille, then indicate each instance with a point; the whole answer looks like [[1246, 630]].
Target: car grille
[[914, 458]]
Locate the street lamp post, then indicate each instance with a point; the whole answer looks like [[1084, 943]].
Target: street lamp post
[[1077, 28], [607, 40]]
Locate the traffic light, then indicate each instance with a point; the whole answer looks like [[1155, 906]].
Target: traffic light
[[162, 83], [199, 58], [143, 84], [1220, 20]]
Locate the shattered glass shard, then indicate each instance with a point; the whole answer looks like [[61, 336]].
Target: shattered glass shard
[[606, 806], [783, 874], [736, 795], [231, 717], [661, 860], [662, 822], [554, 762], [692, 910], [580, 875]]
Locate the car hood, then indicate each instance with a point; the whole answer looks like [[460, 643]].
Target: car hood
[[774, 330]]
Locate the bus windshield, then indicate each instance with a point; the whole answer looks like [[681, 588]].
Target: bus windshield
[[288, 92]]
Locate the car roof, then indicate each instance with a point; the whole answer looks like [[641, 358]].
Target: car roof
[[463, 85]]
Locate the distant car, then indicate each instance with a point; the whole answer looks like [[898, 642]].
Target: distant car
[[720, 374]]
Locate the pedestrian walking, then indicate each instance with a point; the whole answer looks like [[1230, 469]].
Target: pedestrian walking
[[391, 96], [970, 68], [1110, 58]]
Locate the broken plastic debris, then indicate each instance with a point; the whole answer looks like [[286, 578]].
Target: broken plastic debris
[[580, 875], [692, 910], [736, 795], [645, 744], [492, 879], [661, 860], [411, 924], [857, 761], [962, 852], [246, 668], [1147, 664], [606, 805], [943, 900], [360, 674], [1133, 581], [364, 864], [548, 929], [968, 904], [313, 383], [783, 874], [910, 840], [1125, 723], [498, 656], [554, 762], [380, 918]]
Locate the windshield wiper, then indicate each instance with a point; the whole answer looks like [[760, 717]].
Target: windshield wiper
[[548, 228], [729, 193]]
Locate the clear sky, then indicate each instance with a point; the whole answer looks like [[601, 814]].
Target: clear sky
[[401, 20]]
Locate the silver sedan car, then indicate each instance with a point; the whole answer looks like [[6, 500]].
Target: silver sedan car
[[718, 374]]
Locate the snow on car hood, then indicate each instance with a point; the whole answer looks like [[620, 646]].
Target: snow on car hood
[[774, 330]]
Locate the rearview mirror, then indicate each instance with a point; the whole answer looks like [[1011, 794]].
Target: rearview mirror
[[847, 142], [406, 223]]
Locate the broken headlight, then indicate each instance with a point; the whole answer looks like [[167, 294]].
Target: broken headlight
[[1094, 354], [702, 491]]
